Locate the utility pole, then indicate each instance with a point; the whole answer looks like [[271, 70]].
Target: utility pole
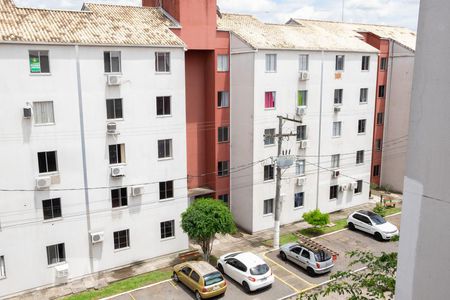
[[282, 162]]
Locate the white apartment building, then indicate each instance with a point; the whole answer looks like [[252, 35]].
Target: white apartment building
[[92, 140], [320, 78]]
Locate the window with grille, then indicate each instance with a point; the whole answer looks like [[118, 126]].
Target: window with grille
[[298, 199], [162, 62], [121, 239], [119, 197], [166, 190], [167, 229], [223, 168], [51, 208]]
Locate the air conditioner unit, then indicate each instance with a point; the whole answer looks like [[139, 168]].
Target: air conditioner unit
[[353, 185], [336, 173], [337, 108], [342, 188], [27, 112], [114, 79], [43, 182], [300, 110], [118, 171], [303, 144], [304, 76], [301, 181], [137, 190], [62, 270], [97, 237], [111, 128]]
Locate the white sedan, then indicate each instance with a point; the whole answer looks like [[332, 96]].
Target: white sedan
[[373, 224], [247, 269]]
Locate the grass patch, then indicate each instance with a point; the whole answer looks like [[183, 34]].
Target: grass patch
[[313, 232], [392, 210], [124, 285], [284, 239]]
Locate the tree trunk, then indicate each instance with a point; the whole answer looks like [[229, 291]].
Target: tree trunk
[[207, 245]]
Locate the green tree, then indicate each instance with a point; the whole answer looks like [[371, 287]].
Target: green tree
[[316, 218], [204, 219], [375, 282]]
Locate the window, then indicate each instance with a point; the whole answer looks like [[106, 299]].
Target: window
[[114, 108], [303, 62], [112, 61], [162, 62], [337, 128], [296, 250], [186, 271], [383, 63], [43, 112], [222, 63], [269, 100], [117, 154], [2, 267], [335, 160], [380, 118], [165, 148], [269, 136], [165, 190], [268, 207], [358, 189], [194, 276], [56, 254], [47, 162], [301, 132], [122, 239], [268, 172], [360, 157], [376, 171], [305, 254], [271, 62], [365, 63], [302, 99], [363, 95], [51, 208], [225, 198], [340, 62], [167, 229], [379, 144], [119, 197], [362, 126], [39, 62], [381, 91], [223, 134], [163, 106], [223, 99], [338, 96], [222, 167], [300, 167], [334, 191], [298, 199]]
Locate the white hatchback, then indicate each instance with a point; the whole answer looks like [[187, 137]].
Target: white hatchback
[[373, 224], [247, 269]]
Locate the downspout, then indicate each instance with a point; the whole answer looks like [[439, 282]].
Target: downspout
[[320, 131]]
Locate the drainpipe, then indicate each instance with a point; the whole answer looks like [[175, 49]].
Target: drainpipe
[[320, 131]]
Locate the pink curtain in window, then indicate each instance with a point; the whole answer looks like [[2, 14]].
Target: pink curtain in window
[[269, 100]]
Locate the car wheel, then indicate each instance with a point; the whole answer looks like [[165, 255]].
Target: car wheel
[[283, 256], [378, 236], [310, 271], [220, 268], [198, 296], [175, 277], [351, 226], [246, 287]]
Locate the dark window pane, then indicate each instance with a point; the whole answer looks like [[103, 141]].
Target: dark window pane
[[42, 161], [107, 61], [34, 62], [47, 208], [167, 105], [115, 62], [118, 108], [57, 208], [115, 198], [169, 187], [159, 106], [51, 161], [113, 157], [162, 190], [110, 109], [160, 149], [45, 64], [61, 252]]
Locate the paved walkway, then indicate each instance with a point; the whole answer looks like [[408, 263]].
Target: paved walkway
[[223, 244]]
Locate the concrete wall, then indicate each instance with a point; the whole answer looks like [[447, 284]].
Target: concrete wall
[[396, 119], [24, 235], [423, 269]]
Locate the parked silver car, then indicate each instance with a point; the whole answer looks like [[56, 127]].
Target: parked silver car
[[313, 261]]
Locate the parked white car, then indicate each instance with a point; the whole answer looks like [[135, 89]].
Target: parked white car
[[313, 261], [372, 223], [247, 269]]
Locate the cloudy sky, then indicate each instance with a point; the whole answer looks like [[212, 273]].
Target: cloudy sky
[[391, 12]]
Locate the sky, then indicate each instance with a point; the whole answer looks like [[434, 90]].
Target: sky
[[388, 12]]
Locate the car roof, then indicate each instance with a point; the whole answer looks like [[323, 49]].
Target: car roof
[[367, 213], [201, 267], [249, 259]]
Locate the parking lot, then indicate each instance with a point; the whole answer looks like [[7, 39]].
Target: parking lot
[[289, 278]]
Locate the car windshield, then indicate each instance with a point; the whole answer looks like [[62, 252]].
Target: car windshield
[[322, 256], [377, 219], [259, 269], [213, 278]]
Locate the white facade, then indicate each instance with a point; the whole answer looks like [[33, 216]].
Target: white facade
[[24, 233], [249, 82]]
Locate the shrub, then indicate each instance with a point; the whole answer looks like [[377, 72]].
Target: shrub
[[316, 218], [380, 209]]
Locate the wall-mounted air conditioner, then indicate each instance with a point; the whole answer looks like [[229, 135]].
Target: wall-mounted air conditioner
[[301, 181], [137, 190], [114, 80], [300, 111], [111, 128], [117, 171], [97, 237], [337, 108], [303, 144], [336, 173], [43, 182], [342, 188], [353, 185], [303, 76], [62, 271]]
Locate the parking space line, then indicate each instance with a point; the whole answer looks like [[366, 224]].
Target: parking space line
[[289, 285], [290, 272], [131, 296], [173, 284], [138, 289]]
